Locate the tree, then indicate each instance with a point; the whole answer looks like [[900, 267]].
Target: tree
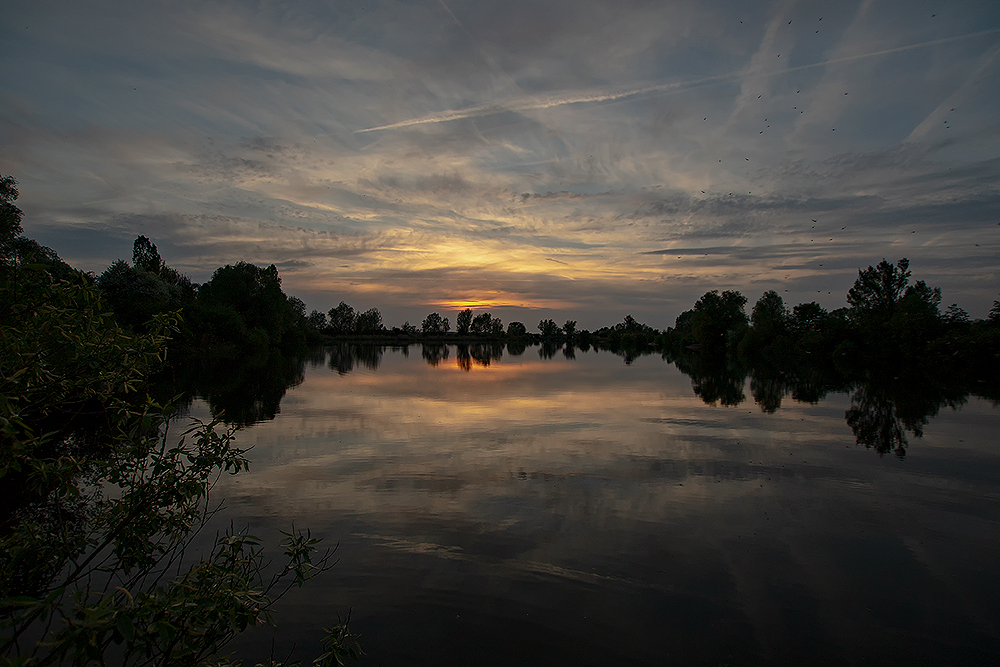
[[516, 330], [548, 328], [877, 290], [485, 324], [97, 512], [145, 256], [10, 217], [769, 316], [435, 324], [136, 294], [317, 320], [718, 319], [342, 319], [145, 288], [806, 317], [569, 329], [463, 322], [369, 322], [254, 295]]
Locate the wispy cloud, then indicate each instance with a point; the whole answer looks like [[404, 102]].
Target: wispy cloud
[[596, 160]]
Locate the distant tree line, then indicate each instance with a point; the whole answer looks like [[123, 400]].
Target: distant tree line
[[242, 307], [888, 318]]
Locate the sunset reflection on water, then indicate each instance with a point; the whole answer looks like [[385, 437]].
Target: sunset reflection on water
[[567, 506]]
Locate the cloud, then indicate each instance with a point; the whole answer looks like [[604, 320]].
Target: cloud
[[573, 148]]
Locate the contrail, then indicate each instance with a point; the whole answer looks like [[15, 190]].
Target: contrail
[[608, 95]]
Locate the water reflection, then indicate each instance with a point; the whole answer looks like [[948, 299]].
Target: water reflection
[[244, 391], [480, 353], [885, 410], [345, 356], [714, 378], [580, 504]]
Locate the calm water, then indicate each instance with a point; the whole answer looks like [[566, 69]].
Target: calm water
[[587, 512]]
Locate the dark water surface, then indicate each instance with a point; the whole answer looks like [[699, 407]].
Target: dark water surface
[[587, 512]]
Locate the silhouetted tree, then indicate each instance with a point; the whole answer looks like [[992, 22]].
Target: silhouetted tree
[[146, 288], [877, 290], [369, 322], [463, 322], [806, 317], [435, 324], [548, 328], [10, 217], [485, 324], [253, 294], [317, 320], [136, 294], [956, 316], [28, 252], [569, 329], [516, 330], [769, 316], [719, 320], [766, 336], [342, 319], [145, 256]]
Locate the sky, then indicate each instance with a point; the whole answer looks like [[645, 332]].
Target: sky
[[568, 159]]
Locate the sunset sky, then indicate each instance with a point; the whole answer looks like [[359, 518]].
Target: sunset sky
[[566, 159]]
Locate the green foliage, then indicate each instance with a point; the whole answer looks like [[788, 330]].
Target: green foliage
[[99, 501], [135, 294], [243, 305]]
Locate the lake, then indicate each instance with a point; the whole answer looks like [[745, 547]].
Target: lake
[[545, 509]]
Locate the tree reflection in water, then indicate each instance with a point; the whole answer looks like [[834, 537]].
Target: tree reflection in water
[[714, 378], [434, 353], [345, 356], [883, 410], [888, 405], [480, 353], [241, 391]]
